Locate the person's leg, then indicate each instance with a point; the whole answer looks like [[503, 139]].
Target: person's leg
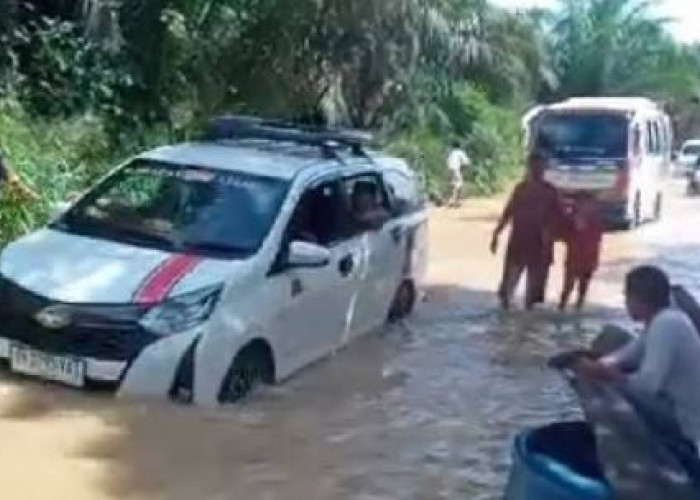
[[537, 276], [456, 193], [509, 282], [567, 288], [542, 285], [583, 284]]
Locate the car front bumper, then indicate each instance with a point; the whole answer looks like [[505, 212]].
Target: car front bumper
[[96, 370], [116, 353]]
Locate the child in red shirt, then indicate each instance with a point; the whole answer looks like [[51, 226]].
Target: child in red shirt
[[583, 243]]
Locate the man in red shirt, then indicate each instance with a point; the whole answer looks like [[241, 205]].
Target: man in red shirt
[[583, 243], [535, 213]]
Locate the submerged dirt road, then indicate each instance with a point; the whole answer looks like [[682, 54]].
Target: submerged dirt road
[[425, 410]]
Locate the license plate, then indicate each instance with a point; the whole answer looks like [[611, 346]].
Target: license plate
[[570, 180], [63, 369]]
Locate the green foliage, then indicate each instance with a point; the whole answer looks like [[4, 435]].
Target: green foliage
[[57, 158], [86, 82], [491, 135], [621, 47]]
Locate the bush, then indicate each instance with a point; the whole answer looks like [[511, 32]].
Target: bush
[[489, 133], [56, 158]]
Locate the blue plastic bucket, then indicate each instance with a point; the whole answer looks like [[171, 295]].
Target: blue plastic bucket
[[556, 462]]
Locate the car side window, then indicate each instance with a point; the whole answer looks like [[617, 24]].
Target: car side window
[[367, 204], [404, 194], [318, 217]]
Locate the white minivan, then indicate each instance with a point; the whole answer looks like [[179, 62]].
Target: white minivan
[[688, 156], [198, 270], [617, 148]]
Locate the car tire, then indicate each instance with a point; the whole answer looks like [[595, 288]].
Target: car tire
[[253, 366], [404, 301]]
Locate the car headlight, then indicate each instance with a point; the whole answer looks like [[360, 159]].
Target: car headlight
[[183, 312]]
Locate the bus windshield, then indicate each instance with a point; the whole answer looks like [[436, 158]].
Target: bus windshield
[[583, 135]]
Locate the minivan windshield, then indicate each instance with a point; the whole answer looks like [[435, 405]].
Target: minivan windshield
[[583, 135], [691, 150], [176, 208]]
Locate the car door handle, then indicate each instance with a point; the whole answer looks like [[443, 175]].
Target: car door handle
[[346, 265]]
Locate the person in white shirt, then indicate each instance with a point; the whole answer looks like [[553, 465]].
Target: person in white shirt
[[456, 160], [662, 365]]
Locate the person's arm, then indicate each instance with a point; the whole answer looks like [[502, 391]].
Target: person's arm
[[505, 219], [466, 161], [596, 370], [15, 182], [613, 366], [659, 354], [627, 358]]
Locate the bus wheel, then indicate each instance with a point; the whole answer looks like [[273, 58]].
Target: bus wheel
[[636, 219], [658, 207]]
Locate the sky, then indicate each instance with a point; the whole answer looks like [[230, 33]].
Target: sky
[[686, 14]]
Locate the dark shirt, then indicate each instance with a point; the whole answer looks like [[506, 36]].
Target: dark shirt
[[535, 211]]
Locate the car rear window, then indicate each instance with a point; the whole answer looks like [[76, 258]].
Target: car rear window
[[583, 135]]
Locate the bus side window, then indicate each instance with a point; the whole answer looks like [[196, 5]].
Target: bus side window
[[637, 141], [649, 139], [657, 138]]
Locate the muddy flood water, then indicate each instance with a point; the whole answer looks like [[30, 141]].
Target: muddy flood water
[[424, 410]]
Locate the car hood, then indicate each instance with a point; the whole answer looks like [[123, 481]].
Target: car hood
[[75, 269]]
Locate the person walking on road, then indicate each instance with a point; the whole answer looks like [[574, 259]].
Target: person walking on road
[[456, 161], [583, 238], [534, 213]]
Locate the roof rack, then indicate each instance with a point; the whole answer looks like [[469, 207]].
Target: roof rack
[[330, 141]]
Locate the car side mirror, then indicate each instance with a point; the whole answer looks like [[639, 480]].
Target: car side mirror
[[304, 254], [58, 209], [399, 208]]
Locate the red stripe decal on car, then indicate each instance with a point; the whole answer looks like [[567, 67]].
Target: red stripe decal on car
[[163, 279]]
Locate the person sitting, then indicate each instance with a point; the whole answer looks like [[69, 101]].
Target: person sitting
[[367, 211], [662, 365]]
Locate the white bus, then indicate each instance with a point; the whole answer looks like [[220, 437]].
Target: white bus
[[617, 148]]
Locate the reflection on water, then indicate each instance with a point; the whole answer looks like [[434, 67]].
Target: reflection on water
[[424, 410]]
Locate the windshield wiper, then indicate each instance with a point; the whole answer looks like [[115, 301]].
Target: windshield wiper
[[217, 248]]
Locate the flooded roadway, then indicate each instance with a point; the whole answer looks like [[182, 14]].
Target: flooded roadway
[[426, 410]]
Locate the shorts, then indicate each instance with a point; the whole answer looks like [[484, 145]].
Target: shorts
[[580, 271], [457, 181]]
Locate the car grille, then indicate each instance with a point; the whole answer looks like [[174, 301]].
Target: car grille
[[106, 340]]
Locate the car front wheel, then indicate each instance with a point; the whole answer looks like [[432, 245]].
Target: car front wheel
[[253, 366], [404, 301]]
